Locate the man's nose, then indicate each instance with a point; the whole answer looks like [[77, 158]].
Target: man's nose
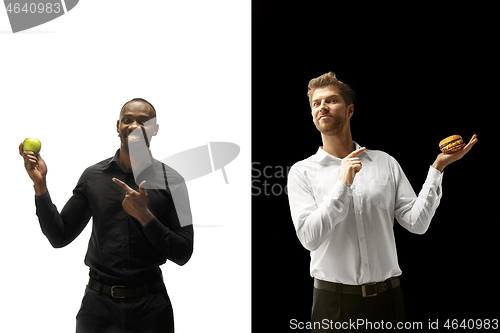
[[135, 125], [323, 106]]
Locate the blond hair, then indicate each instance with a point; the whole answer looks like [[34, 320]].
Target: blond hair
[[330, 79]]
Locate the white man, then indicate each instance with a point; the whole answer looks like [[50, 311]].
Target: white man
[[343, 202]]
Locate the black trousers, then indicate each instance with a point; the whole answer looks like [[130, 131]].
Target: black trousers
[[332, 312], [101, 313]]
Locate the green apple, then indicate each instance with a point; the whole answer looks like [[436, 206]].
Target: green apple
[[32, 144]]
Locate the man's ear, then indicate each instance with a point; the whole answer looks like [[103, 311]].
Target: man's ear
[[350, 110], [156, 130], [118, 126]]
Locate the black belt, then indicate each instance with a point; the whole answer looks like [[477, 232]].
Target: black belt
[[122, 291], [365, 290]]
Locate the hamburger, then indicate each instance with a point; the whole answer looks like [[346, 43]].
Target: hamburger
[[451, 144]]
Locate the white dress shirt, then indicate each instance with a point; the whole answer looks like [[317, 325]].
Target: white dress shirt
[[349, 230]]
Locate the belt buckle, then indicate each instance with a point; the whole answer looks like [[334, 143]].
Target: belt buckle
[[363, 289], [113, 291]]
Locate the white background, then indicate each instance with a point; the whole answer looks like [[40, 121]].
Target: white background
[[64, 83]]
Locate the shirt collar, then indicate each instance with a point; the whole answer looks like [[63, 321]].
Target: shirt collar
[[115, 162], [322, 155]]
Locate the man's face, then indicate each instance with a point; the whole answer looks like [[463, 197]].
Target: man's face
[[139, 116], [329, 112]]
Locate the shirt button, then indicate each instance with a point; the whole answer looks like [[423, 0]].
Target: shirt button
[[362, 239], [366, 265]]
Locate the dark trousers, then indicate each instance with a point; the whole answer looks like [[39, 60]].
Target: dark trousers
[[101, 313], [332, 312]]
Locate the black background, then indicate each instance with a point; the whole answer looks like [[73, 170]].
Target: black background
[[420, 74]]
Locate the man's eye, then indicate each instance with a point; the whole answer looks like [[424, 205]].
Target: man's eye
[[332, 101]]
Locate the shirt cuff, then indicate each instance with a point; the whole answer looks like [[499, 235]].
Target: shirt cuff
[[42, 196], [339, 191], [154, 231], [434, 176], [43, 203]]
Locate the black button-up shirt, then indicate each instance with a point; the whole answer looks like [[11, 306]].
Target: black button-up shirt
[[121, 251]]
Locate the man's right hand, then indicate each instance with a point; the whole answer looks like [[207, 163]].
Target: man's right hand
[[36, 168], [350, 166]]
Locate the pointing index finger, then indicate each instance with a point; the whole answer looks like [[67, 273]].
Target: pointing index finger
[[356, 152], [122, 184]]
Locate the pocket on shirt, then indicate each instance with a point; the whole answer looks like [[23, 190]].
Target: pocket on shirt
[[381, 193]]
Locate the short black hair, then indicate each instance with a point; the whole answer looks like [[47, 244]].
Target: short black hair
[[138, 99]]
